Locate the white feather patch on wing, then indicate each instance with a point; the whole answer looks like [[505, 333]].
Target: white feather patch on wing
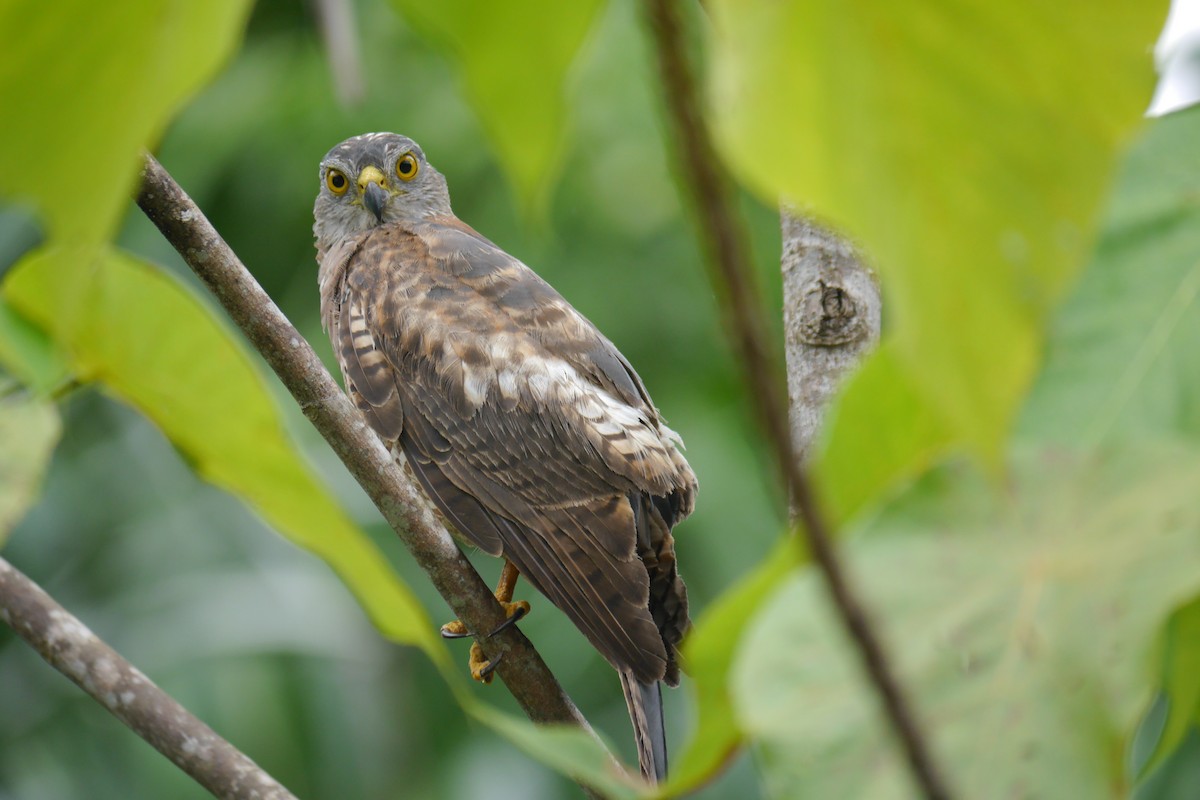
[[476, 383], [624, 437]]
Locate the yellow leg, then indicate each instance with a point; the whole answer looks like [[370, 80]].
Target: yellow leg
[[481, 667]]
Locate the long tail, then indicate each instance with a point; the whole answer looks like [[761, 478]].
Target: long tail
[[646, 713]]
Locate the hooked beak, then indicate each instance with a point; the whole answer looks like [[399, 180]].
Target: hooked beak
[[374, 196]]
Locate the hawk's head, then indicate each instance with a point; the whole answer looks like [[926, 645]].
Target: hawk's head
[[374, 179]]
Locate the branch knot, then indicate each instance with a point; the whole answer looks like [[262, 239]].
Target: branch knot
[[829, 315]]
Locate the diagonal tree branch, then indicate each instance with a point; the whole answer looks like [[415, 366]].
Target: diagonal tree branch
[[68, 646], [734, 279], [342, 425]]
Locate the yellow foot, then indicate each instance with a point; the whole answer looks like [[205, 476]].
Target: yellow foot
[[481, 667], [455, 630]]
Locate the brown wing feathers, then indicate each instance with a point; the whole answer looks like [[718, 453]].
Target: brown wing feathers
[[582, 556], [526, 427]]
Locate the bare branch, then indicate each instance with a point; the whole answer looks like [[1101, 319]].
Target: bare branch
[[733, 278], [343, 426], [72, 649], [831, 319]]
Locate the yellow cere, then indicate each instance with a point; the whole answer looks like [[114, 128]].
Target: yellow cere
[[368, 176]]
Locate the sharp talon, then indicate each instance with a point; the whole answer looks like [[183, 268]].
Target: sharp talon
[[481, 668], [518, 611], [485, 672]]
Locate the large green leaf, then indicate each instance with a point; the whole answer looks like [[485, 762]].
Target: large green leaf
[[29, 429], [1122, 357], [1023, 628], [514, 62], [85, 88], [966, 144], [147, 339], [1121, 363]]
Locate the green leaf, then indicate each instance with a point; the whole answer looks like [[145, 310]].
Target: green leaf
[[1121, 363], [84, 90], [514, 62], [29, 354], [967, 145], [29, 429], [152, 343], [1181, 684], [708, 656], [567, 749], [1177, 777], [1120, 366], [1147, 736], [1022, 627], [857, 465]]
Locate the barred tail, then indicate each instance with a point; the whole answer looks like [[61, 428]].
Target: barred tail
[[646, 713]]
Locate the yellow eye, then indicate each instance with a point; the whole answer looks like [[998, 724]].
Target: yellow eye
[[406, 167], [336, 182]]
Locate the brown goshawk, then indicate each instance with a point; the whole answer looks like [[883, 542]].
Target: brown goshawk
[[529, 431]]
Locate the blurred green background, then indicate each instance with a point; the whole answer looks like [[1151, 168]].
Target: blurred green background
[[261, 640]]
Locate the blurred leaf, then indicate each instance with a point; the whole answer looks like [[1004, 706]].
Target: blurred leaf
[[19, 233], [906, 438], [708, 656], [1120, 365], [29, 429], [1022, 629], [1147, 736], [83, 92], [147, 339], [1122, 356], [1145, 267], [29, 354], [1181, 684], [569, 750], [967, 145], [1179, 775], [514, 62]]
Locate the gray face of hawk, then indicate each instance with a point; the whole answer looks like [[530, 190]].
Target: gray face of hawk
[[376, 178], [529, 431]]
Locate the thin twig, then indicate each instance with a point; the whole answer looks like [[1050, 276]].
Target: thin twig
[[733, 277], [343, 426], [68, 646]]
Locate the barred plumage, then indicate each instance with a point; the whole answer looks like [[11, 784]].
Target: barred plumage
[[527, 428]]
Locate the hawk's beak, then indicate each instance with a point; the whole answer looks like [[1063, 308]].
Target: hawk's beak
[[374, 196]]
